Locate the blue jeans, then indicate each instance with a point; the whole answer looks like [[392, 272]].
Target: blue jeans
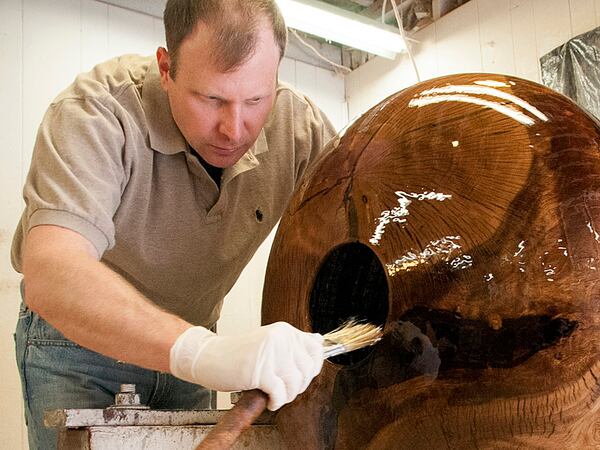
[[56, 373]]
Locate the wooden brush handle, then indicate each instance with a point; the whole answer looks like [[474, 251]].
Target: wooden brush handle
[[235, 421]]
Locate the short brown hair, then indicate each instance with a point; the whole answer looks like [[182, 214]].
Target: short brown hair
[[234, 24]]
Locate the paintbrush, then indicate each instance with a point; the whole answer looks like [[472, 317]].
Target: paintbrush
[[350, 336]]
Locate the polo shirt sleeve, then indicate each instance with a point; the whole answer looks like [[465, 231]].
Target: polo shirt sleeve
[[76, 176]]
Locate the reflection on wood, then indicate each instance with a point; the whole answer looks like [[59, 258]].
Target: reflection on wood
[[464, 214]]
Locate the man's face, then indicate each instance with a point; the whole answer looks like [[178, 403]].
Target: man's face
[[220, 114]]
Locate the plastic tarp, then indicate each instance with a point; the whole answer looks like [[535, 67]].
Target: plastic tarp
[[573, 69]]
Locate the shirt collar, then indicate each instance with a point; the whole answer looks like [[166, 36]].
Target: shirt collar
[[163, 132], [248, 161]]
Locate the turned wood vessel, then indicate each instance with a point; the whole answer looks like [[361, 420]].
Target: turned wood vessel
[[463, 214]]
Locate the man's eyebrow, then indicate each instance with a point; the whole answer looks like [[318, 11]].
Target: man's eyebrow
[[223, 99]]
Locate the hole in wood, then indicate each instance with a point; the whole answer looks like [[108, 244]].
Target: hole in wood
[[351, 283]]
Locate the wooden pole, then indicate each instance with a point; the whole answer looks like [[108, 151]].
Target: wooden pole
[[237, 420]]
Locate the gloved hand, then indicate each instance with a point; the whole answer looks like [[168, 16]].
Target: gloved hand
[[278, 359]]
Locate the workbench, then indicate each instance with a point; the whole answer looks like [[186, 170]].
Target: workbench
[[133, 426]]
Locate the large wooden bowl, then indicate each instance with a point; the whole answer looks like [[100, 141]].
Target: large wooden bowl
[[462, 213]]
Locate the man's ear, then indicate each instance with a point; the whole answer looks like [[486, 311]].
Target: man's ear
[[164, 64]]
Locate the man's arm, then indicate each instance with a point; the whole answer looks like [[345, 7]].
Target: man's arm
[[92, 305]]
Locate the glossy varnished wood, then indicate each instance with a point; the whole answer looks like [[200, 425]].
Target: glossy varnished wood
[[478, 198]]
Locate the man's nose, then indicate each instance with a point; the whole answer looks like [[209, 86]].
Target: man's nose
[[231, 123]]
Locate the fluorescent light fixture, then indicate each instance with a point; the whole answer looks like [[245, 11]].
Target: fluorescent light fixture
[[338, 25]]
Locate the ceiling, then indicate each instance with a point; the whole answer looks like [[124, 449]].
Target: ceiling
[[415, 13]]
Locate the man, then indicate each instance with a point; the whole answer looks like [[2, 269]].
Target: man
[[151, 185]]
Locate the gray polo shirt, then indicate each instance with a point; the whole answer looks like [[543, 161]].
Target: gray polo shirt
[[110, 163]]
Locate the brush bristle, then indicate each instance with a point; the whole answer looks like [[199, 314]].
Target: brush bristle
[[350, 336]]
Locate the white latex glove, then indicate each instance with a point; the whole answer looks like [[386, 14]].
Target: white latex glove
[[278, 359]]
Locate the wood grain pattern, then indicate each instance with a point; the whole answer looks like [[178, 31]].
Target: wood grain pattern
[[478, 197]]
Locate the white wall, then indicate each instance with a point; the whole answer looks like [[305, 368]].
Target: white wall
[[497, 36], [43, 45]]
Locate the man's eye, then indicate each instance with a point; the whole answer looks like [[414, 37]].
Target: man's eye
[[254, 101], [215, 101]]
